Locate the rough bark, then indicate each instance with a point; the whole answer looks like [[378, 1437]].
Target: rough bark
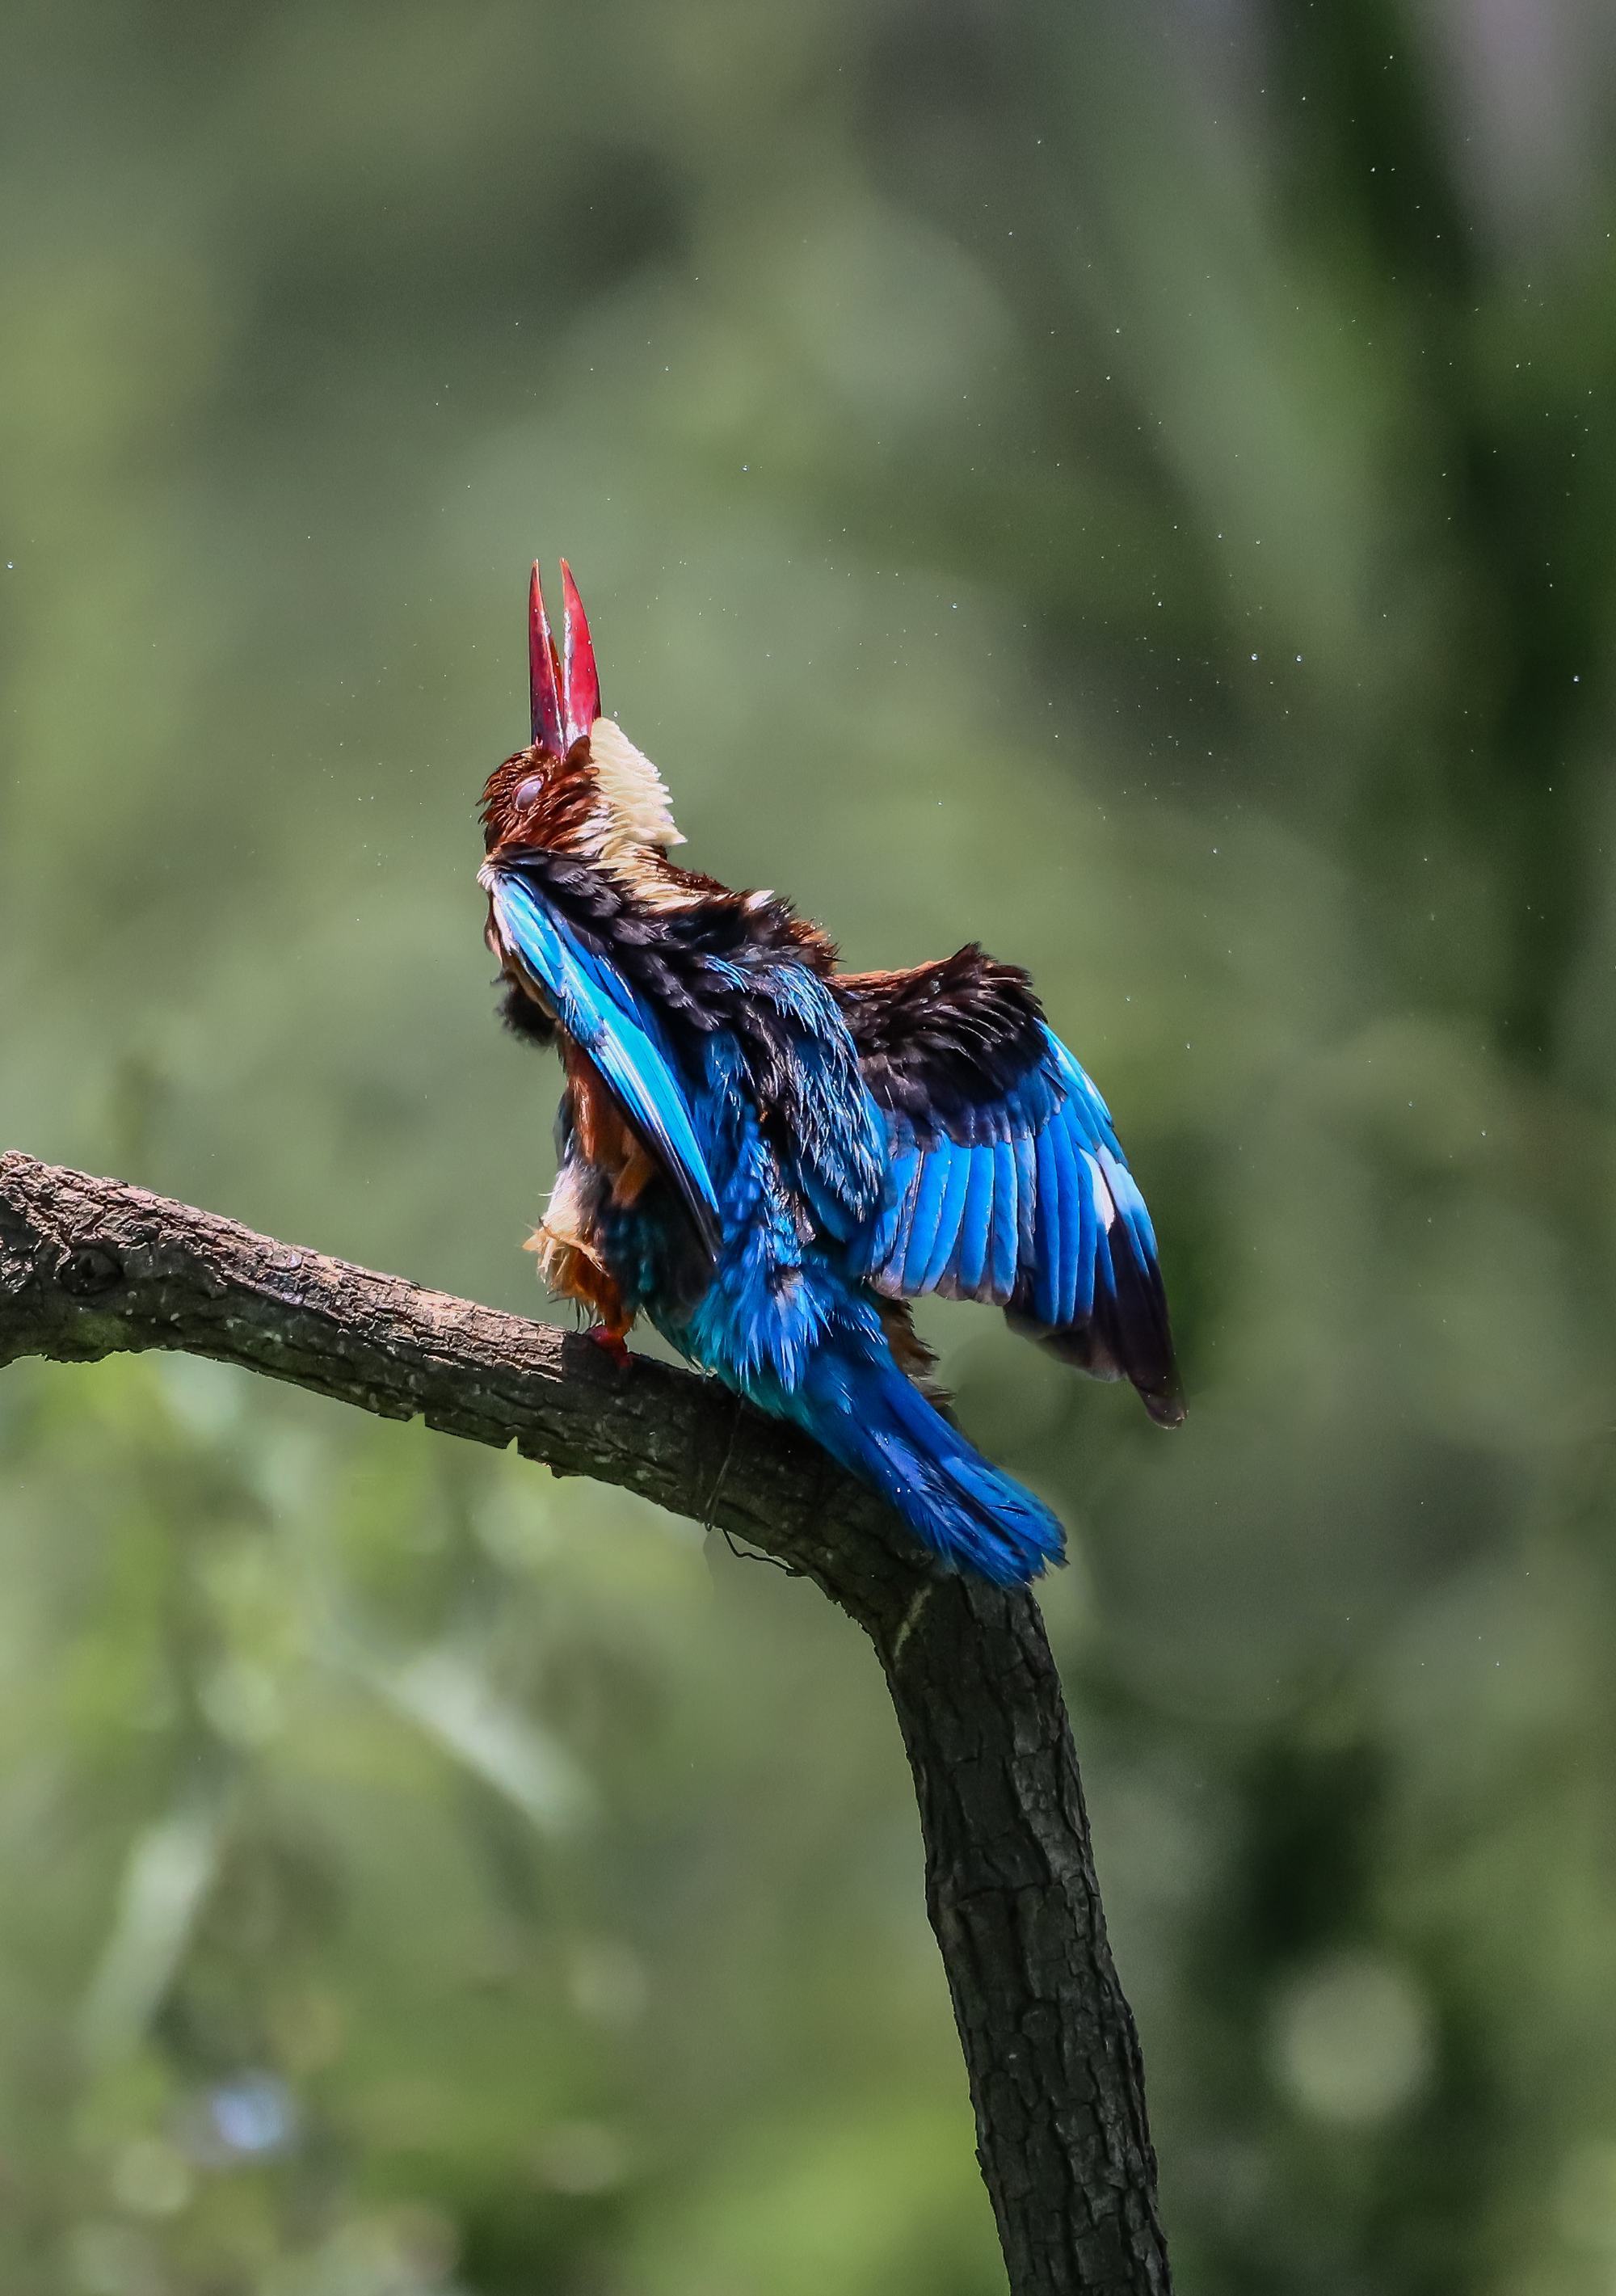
[[91, 1267]]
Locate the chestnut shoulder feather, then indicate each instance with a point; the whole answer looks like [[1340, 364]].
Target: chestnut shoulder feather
[[939, 1039]]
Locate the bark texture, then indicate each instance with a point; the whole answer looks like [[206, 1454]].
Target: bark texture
[[91, 1267]]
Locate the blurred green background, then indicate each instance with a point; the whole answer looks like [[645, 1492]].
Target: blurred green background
[[1132, 483]]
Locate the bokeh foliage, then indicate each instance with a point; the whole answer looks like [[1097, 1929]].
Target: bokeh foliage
[[1133, 484]]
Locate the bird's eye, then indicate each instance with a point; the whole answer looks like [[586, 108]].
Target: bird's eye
[[527, 791]]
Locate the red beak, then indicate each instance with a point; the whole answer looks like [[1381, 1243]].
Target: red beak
[[583, 687], [566, 691], [544, 675]]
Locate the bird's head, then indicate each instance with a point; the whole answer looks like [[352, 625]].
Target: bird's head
[[580, 786]]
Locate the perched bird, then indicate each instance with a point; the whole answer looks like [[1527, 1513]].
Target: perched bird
[[770, 1158]]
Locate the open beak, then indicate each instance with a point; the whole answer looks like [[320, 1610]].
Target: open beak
[[565, 689]]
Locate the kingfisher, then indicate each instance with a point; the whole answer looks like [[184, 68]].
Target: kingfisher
[[770, 1158]]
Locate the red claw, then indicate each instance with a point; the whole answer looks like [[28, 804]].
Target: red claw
[[543, 673], [581, 685], [610, 1342]]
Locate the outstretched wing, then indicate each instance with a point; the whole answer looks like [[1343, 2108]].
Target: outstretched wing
[[1005, 1180], [620, 1034]]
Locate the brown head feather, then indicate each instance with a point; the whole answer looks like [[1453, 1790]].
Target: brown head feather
[[533, 799]]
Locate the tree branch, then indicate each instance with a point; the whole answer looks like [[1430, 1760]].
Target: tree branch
[[91, 1267]]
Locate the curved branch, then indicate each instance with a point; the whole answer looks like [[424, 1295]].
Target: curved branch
[[93, 1267]]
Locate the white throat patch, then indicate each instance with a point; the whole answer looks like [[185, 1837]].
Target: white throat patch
[[632, 791]]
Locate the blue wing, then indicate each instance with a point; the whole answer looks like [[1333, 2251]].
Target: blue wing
[[601, 1012], [1006, 1179]]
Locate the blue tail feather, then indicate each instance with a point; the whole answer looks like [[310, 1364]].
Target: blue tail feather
[[872, 1419]]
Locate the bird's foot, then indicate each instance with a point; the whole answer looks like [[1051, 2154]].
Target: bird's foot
[[610, 1342]]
